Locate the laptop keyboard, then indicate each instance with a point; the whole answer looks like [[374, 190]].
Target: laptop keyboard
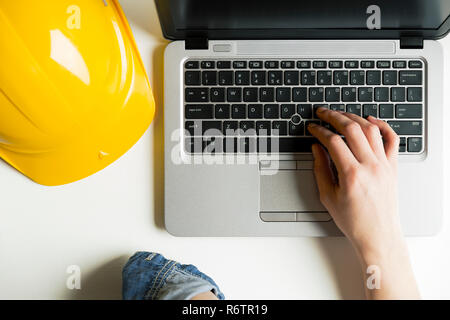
[[239, 106]]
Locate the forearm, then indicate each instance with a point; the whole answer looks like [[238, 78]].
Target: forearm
[[387, 272]]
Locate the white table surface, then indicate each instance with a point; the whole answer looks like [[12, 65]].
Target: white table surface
[[97, 223]]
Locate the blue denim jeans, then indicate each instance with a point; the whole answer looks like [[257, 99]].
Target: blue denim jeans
[[150, 276]]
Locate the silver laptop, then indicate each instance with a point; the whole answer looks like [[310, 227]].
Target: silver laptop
[[242, 80]]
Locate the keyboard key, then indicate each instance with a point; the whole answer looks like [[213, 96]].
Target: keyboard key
[[209, 78], [357, 78], [351, 64], [354, 108], [223, 64], [258, 78], [397, 94], [319, 64], [238, 111], [415, 94], [332, 94], [191, 65], [255, 64], [217, 94], [308, 78], [341, 78], [271, 64], [283, 94], [386, 111], [242, 78], [390, 78], [192, 78], [413, 78], [305, 111], [399, 64], [279, 128], [365, 94], [208, 64], [337, 107], [367, 64], [196, 94], [414, 144], [383, 64], [234, 94], [213, 145], [415, 64], [239, 64], [266, 94], [230, 128], [247, 128], [291, 78], [316, 94], [304, 64], [370, 110], [193, 127], [211, 128], [402, 145], [409, 111], [307, 123], [230, 145], [255, 111], [250, 94], [287, 110], [287, 64], [406, 128], [247, 145], [335, 64], [373, 77], [295, 145], [193, 145], [275, 77], [264, 144], [226, 78], [317, 106], [271, 111], [222, 111], [349, 94], [296, 129], [324, 77], [263, 128], [299, 94], [381, 94]]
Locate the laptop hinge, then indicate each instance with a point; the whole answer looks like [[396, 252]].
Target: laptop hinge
[[411, 42], [196, 43]]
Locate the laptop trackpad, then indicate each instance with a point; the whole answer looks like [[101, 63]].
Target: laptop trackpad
[[290, 191]]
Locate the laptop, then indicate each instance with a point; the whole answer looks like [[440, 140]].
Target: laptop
[[242, 79]]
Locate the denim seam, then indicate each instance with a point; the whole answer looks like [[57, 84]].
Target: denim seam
[[188, 273], [153, 286], [163, 278], [150, 256]]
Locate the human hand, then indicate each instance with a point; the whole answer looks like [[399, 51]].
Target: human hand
[[362, 198], [361, 194]]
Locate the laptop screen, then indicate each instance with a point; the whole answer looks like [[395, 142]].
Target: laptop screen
[[305, 18]]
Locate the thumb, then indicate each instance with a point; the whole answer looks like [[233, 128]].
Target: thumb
[[323, 172]]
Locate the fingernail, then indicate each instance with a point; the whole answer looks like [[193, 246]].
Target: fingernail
[[312, 125], [321, 109]]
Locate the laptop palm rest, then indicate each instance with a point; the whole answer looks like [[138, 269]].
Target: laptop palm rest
[[290, 195]]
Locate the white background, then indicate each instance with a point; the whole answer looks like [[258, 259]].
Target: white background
[[97, 223]]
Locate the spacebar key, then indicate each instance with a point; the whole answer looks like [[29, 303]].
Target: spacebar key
[[293, 144]]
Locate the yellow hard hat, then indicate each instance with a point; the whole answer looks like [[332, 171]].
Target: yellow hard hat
[[74, 95]]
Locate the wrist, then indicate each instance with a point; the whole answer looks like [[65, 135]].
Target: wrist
[[382, 252]]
